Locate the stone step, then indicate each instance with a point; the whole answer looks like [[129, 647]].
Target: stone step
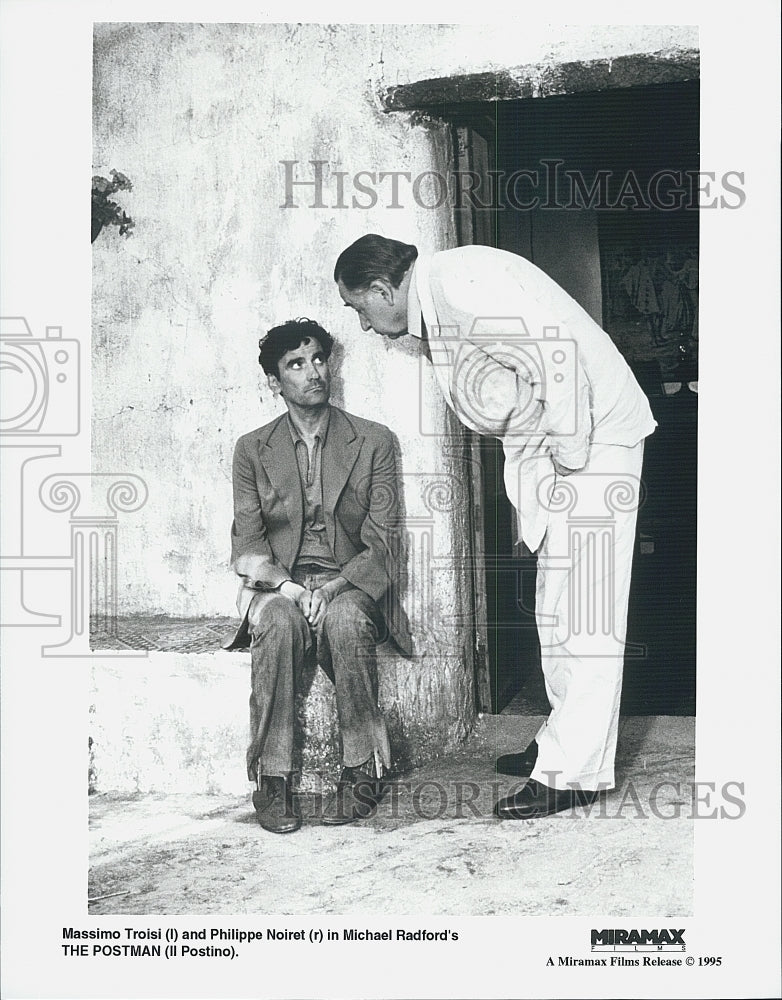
[[178, 722]]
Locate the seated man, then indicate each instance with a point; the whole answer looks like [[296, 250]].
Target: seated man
[[312, 538]]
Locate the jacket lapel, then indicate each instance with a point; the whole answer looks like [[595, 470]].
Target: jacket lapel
[[278, 458], [339, 456]]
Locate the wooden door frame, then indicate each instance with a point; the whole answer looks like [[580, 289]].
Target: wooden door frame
[[464, 104], [473, 151]]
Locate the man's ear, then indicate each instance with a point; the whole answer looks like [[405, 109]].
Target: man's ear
[[383, 288], [274, 384]]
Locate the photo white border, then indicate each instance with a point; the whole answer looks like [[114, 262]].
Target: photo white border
[[46, 161]]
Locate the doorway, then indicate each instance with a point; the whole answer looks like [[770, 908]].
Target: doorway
[[600, 191]]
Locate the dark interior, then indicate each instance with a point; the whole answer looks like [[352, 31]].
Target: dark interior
[[637, 132]]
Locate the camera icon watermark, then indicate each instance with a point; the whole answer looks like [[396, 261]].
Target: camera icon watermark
[[40, 399], [39, 381], [505, 381]]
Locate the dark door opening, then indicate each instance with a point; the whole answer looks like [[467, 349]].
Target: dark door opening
[[605, 201]]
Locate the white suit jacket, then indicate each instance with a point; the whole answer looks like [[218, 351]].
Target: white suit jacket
[[519, 359]]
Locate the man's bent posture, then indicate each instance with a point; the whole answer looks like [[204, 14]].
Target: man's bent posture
[[517, 358]]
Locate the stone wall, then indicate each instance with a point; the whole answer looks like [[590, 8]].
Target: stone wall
[[200, 118]]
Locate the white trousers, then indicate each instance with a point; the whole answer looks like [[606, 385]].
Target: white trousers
[[583, 584]]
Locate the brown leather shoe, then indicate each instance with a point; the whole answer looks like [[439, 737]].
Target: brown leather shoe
[[356, 797], [275, 806]]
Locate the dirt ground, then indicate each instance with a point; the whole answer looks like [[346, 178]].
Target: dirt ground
[[432, 848]]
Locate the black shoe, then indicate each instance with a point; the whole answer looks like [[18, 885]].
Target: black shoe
[[275, 805], [520, 765], [356, 797], [536, 800]]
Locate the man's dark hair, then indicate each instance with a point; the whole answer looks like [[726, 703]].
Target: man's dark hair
[[373, 257], [287, 337]]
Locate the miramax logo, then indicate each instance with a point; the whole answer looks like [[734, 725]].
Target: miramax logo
[[620, 939]]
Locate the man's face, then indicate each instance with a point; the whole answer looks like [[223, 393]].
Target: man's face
[[381, 308], [304, 378]]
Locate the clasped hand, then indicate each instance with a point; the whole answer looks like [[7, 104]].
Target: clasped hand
[[313, 604]]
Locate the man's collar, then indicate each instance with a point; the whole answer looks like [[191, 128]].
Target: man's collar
[[320, 431], [414, 307]]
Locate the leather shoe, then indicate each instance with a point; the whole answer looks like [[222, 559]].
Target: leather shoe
[[275, 806], [520, 765], [356, 797], [535, 801]]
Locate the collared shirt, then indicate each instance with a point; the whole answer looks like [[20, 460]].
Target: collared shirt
[[315, 548]]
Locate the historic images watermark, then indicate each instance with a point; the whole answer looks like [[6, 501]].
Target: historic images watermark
[[319, 184], [665, 799]]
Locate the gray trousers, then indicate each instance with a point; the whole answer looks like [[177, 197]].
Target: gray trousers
[[345, 646]]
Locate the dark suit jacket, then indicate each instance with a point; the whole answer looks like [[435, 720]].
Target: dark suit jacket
[[360, 505]]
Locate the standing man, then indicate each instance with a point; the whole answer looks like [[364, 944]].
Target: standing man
[[312, 539], [517, 358]]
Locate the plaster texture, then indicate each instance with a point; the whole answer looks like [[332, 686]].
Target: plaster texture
[[202, 119]]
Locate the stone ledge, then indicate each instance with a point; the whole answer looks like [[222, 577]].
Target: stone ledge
[[177, 720], [545, 80]]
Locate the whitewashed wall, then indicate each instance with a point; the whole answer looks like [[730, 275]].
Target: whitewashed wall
[[199, 117]]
